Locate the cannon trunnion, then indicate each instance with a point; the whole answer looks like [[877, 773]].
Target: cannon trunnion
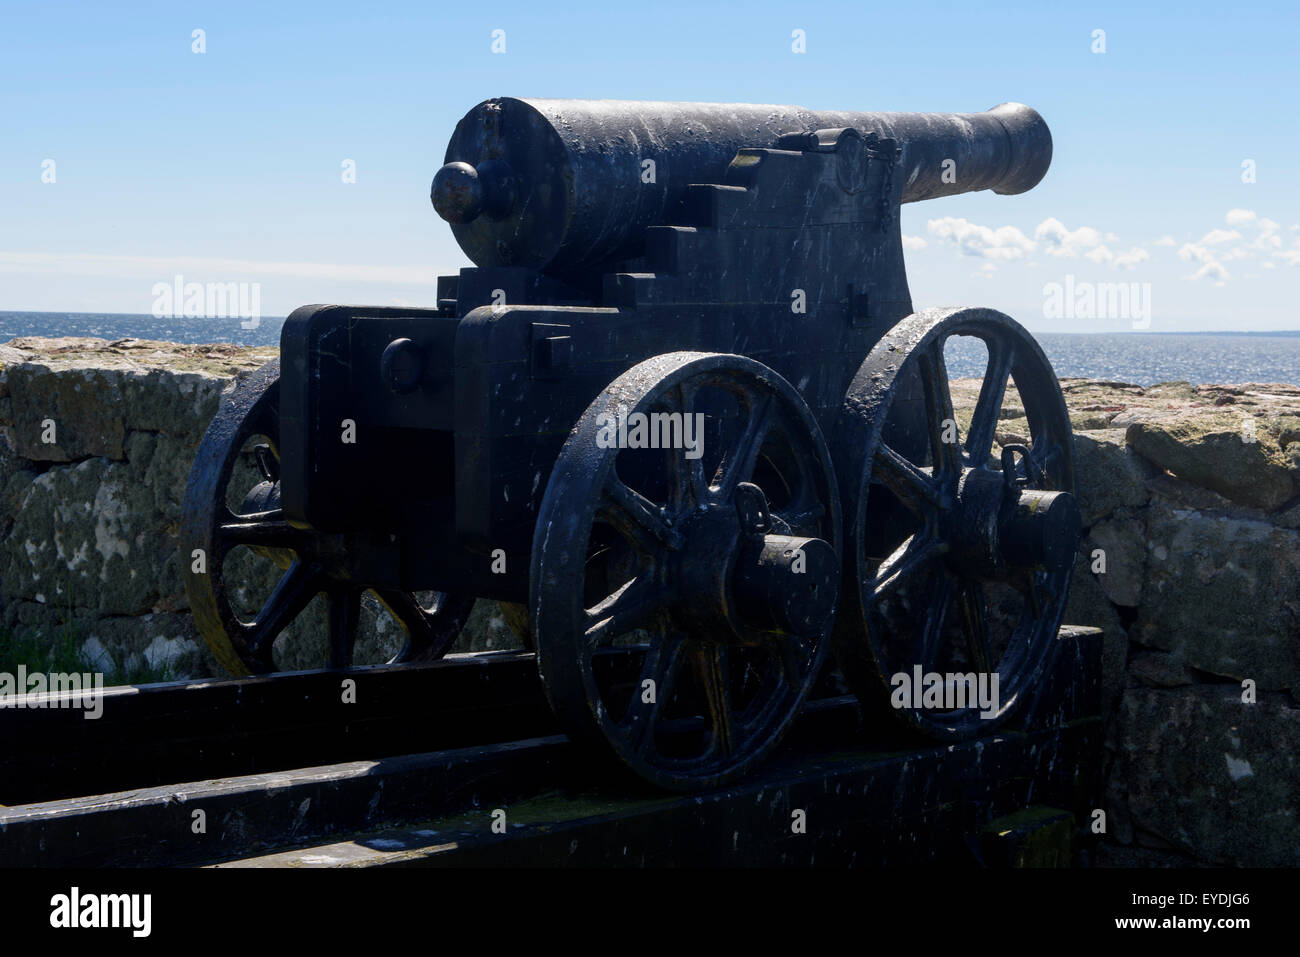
[[681, 421]]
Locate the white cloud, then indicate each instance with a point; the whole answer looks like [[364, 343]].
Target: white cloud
[[1258, 239], [1059, 241], [1263, 238], [1268, 238], [1003, 243], [914, 242], [1213, 271], [1217, 237], [1211, 268], [1131, 258], [1217, 247], [1126, 260]]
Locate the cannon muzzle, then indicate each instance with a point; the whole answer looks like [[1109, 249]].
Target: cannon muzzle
[[560, 185]]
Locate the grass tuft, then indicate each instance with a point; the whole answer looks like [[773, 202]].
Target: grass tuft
[[63, 651]]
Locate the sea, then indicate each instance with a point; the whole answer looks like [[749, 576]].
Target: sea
[[1139, 358]]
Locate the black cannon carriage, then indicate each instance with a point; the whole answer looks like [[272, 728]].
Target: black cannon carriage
[[680, 420]]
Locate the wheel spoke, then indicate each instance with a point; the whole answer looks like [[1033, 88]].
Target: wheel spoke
[[738, 464], [632, 605], [1031, 593], [915, 553], [784, 666], [262, 420], [711, 663], [988, 408], [936, 615], [344, 616], [662, 665], [689, 487], [938, 404], [292, 593], [409, 614], [1043, 455], [637, 518], [975, 619], [267, 529], [429, 631], [794, 653], [913, 486]]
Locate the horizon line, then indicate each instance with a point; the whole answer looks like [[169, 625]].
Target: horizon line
[[1108, 332]]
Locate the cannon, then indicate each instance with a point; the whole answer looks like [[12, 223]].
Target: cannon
[[681, 420]]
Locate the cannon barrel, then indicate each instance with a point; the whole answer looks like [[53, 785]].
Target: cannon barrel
[[558, 185]]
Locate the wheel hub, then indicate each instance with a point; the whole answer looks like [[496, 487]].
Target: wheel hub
[[997, 526], [735, 571], [703, 569], [788, 584]]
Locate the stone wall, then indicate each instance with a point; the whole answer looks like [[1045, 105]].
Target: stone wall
[[1190, 495], [96, 442]]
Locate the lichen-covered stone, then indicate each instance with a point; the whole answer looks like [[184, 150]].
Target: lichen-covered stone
[[162, 646], [1122, 541], [1088, 605], [1159, 669], [88, 536], [14, 479], [1238, 456], [1108, 475], [88, 393], [487, 630], [95, 534], [67, 415], [1224, 593], [1197, 768]]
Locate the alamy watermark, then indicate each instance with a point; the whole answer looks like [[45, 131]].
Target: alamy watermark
[[653, 430], [75, 909], [54, 690], [208, 300], [1098, 300], [946, 692]]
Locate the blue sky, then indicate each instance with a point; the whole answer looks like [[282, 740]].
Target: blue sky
[[226, 165]]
